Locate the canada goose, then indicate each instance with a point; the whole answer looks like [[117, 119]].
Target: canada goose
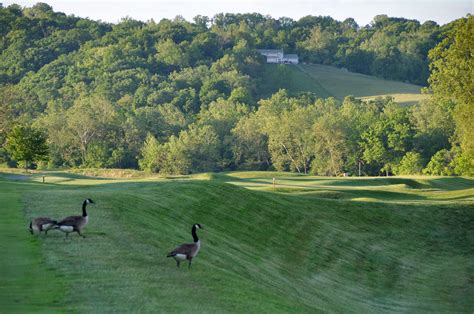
[[75, 223], [42, 224], [188, 250]]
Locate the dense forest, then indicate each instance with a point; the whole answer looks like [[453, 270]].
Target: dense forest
[[178, 97]]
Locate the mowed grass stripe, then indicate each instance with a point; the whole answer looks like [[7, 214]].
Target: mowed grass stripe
[[27, 283]]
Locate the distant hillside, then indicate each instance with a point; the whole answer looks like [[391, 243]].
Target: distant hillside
[[328, 81], [104, 94]]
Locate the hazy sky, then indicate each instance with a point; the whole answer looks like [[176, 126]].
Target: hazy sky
[[441, 11]]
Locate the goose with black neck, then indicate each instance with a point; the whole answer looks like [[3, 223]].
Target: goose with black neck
[[187, 251], [75, 223]]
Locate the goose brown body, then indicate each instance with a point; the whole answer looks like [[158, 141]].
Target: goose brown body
[[75, 223], [42, 224], [187, 251]]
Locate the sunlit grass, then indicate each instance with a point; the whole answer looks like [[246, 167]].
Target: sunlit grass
[[405, 99], [341, 83], [328, 81], [309, 244]]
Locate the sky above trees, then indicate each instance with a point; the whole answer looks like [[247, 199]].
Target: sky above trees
[[440, 11]]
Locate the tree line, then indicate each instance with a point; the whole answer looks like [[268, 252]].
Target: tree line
[[180, 97]]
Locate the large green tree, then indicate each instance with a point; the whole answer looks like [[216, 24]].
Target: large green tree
[[150, 154], [388, 138], [250, 144], [452, 79], [26, 144], [330, 146], [287, 123], [452, 63]]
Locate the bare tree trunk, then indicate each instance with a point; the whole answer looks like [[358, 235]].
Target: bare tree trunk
[[331, 154], [303, 157], [292, 159]]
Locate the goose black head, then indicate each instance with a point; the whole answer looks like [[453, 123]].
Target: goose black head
[[89, 201], [198, 226]]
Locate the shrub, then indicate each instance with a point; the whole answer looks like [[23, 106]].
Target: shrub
[[411, 163], [440, 164], [463, 165]]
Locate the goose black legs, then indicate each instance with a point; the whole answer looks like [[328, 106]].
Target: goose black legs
[[177, 263], [78, 232]]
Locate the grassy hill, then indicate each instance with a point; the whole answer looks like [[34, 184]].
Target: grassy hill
[[327, 81], [309, 244]]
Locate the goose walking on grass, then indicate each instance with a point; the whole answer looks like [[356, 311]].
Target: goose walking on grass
[[75, 223], [42, 224], [188, 250]]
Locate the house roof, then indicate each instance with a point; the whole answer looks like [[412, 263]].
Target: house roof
[[290, 56], [270, 50]]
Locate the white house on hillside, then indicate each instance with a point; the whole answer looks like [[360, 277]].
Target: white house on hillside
[[277, 56], [291, 58]]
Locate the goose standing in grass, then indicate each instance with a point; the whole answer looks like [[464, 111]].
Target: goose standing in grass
[[188, 250], [42, 224], [75, 223]]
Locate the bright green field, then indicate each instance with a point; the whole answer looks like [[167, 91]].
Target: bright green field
[[310, 244], [327, 81]]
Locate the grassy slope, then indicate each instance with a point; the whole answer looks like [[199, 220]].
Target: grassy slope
[[291, 78], [27, 283], [328, 81], [351, 245]]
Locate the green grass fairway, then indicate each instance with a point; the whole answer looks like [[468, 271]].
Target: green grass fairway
[[327, 81], [309, 244], [27, 281]]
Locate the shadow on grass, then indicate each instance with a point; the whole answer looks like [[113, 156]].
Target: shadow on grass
[[442, 183], [378, 189], [453, 183], [324, 188], [70, 176], [331, 181], [378, 195]]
